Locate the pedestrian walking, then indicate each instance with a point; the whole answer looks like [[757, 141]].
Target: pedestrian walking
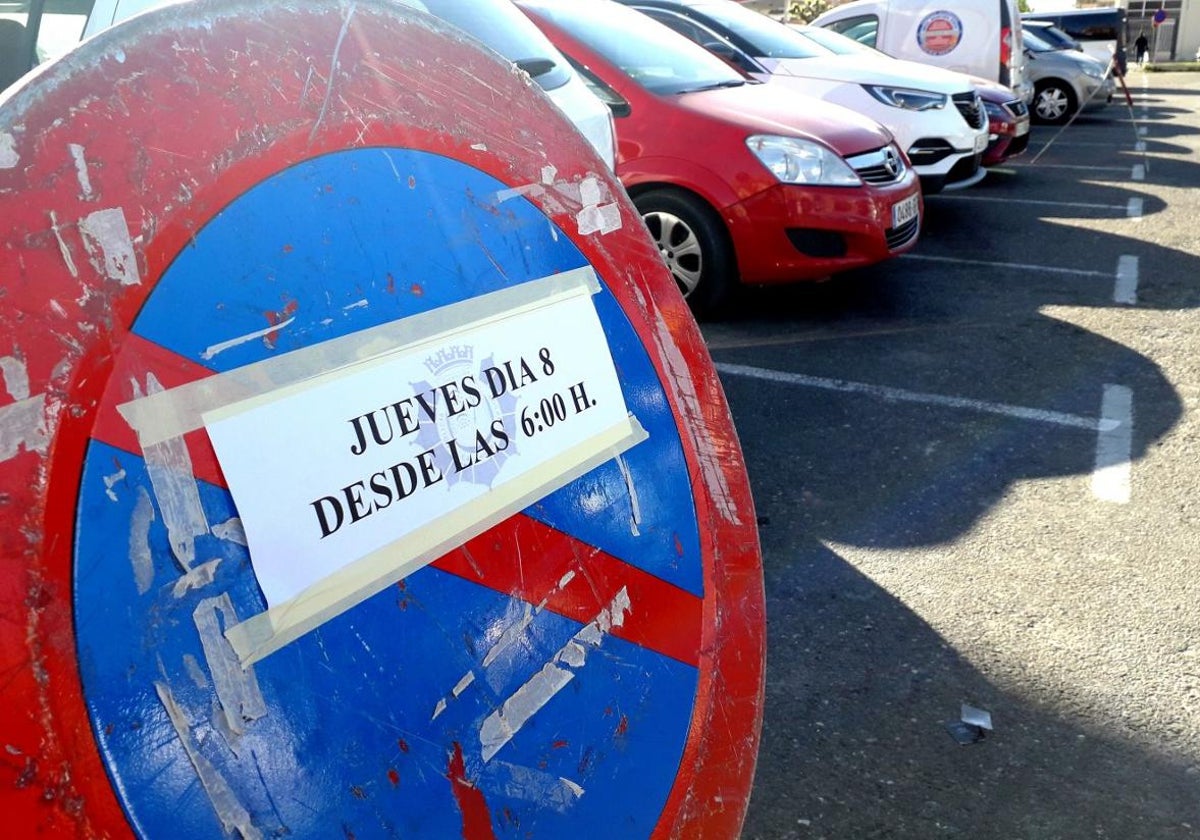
[[1140, 46]]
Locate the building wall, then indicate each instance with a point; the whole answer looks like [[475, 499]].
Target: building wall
[[1178, 37]]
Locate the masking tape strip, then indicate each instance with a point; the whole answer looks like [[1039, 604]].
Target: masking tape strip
[[263, 634], [174, 412]]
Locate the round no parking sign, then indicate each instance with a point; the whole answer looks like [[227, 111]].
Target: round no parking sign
[[365, 473]]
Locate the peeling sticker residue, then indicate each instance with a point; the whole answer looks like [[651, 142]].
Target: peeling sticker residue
[[232, 813], [106, 237], [81, 172], [230, 530], [62, 245], [635, 508], [589, 191], [511, 635], [358, 304], [170, 467], [8, 151], [16, 377], [504, 723], [479, 147], [195, 671], [196, 578], [464, 683], [531, 785], [111, 481], [684, 391], [141, 558], [23, 427], [597, 212], [599, 219], [237, 688], [222, 346], [512, 192]]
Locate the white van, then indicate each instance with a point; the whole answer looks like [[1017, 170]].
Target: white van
[[977, 37], [34, 31]]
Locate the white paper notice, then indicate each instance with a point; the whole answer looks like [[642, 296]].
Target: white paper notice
[[336, 468]]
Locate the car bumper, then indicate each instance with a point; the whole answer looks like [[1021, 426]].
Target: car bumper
[[1006, 139], [1097, 94], [789, 232]]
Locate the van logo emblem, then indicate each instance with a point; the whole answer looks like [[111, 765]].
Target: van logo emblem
[[939, 32]]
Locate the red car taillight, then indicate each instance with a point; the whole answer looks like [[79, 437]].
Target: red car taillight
[[1006, 46]]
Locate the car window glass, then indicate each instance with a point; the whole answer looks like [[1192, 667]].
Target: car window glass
[[597, 86], [61, 26], [837, 42], [706, 38], [14, 42], [768, 38], [506, 30], [862, 28], [1033, 42], [648, 52]]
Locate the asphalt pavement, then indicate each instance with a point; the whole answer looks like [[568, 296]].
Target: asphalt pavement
[[976, 472]]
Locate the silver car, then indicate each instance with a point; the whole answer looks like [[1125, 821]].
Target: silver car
[[1064, 81]]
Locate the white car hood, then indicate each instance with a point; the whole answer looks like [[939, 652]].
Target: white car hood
[[869, 70]]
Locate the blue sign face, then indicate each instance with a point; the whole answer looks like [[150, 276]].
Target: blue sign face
[[441, 707]]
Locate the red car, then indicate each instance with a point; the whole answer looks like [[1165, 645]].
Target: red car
[[736, 181], [1008, 121]]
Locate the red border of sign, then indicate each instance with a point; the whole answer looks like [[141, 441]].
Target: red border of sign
[[382, 103]]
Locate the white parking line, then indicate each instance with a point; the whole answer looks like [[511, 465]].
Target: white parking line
[[1134, 209], [1056, 418], [1125, 290], [1071, 166], [1139, 146], [1139, 172], [1072, 143], [1077, 272], [1114, 445], [1074, 205], [1114, 429]]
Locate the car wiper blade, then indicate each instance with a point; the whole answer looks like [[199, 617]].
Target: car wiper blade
[[535, 66], [729, 83]]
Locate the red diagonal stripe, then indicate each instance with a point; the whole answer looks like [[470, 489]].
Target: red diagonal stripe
[[527, 559]]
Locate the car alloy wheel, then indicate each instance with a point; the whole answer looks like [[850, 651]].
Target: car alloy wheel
[[693, 243], [1053, 103], [679, 247]]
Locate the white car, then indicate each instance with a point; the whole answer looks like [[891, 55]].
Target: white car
[[936, 115], [497, 23]]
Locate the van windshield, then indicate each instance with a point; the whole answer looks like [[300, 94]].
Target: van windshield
[[768, 38]]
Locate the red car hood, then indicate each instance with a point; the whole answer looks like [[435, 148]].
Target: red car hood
[[767, 109]]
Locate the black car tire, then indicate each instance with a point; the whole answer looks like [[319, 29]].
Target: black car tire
[[1054, 102], [693, 243]]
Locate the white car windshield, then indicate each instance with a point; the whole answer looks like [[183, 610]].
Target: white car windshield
[[768, 38], [657, 58]]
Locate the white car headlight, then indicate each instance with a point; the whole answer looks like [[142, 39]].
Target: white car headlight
[[1093, 70], [907, 98], [796, 161]]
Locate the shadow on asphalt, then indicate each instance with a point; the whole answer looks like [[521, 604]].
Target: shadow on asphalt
[[859, 688], [854, 746]]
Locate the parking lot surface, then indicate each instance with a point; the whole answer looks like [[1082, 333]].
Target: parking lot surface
[[976, 472]]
